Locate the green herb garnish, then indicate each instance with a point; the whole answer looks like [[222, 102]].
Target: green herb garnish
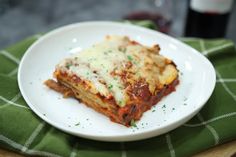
[[132, 123], [106, 53], [68, 65], [77, 124], [129, 58], [122, 49], [185, 99], [136, 63], [164, 106], [110, 86]]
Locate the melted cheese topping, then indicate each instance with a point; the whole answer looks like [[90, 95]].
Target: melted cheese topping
[[103, 65]]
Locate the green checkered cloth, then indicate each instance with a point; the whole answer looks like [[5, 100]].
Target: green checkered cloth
[[22, 131]]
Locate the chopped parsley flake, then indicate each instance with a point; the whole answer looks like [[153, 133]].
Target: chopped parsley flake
[[164, 106], [129, 58], [68, 65], [110, 86], [122, 49], [106, 53], [77, 124], [153, 110], [136, 63], [87, 73], [132, 123]]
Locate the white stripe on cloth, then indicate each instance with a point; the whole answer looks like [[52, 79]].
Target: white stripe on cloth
[[123, 152], [73, 152], [14, 99], [208, 51], [13, 72], [10, 56], [202, 45], [226, 80], [212, 120], [210, 128], [12, 103], [33, 136], [226, 87], [170, 146], [29, 151]]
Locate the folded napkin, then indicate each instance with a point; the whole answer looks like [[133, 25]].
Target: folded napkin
[[22, 131]]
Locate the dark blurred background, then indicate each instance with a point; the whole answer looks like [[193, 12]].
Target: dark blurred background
[[22, 18]]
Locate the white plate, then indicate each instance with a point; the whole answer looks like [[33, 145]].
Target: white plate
[[196, 83]]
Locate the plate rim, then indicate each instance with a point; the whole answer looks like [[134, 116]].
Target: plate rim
[[131, 136]]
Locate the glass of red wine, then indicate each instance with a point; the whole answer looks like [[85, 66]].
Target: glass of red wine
[[157, 11]]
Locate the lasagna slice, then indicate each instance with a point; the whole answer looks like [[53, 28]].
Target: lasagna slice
[[117, 77]]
